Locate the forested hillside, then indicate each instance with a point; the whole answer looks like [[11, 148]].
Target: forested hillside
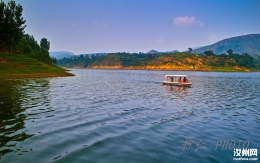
[[13, 39], [175, 61], [21, 56]]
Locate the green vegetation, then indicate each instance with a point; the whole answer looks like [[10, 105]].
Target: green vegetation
[[11, 23], [40, 52], [13, 66], [174, 61], [13, 39], [16, 48], [189, 50], [113, 59]]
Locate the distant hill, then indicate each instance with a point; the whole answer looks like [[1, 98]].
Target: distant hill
[[61, 54], [91, 54], [157, 52], [242, 44], [152, 52]]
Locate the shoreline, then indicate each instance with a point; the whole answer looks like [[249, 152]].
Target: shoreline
[[216, 70], [7, 76], [19, 66]]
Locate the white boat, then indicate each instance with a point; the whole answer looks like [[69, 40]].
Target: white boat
[[176, 80]]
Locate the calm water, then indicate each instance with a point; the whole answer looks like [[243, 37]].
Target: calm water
[[120, 116]]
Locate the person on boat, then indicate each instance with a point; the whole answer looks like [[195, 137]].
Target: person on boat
[[179, 80], [185, 80]]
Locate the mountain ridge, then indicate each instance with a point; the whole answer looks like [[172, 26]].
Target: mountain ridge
[[61, 54], [239, 44], [157, 52]]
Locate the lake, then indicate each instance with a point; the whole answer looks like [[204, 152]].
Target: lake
[[128, 116]]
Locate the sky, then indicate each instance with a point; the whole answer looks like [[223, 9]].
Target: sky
[[97, 26]]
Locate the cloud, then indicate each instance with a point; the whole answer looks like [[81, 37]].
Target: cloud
[[187, 21], [100, 25]]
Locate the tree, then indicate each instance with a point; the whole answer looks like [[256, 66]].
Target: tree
[[23, 46], [45, 44], [246, 55], [11, 22], [54, 60], [209, 53], [33, 43], [230, 51], [189, 50]]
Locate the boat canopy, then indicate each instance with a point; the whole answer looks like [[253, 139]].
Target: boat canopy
[[176, 76]]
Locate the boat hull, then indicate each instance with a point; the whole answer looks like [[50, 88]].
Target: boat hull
[[176, 83]]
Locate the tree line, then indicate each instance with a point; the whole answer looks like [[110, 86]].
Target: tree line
[[13, 39], [244, 60], [122, 58], [130, 59]]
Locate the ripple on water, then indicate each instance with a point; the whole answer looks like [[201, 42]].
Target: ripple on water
[[127, 116]]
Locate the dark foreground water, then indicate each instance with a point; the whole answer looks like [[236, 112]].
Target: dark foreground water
[[120, 116]]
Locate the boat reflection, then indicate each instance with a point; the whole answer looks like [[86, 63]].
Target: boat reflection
[[178, 89]]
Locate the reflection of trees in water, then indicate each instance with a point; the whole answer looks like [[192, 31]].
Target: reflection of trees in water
[[15, 95]]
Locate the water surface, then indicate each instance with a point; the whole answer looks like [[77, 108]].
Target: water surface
[[128, 116]]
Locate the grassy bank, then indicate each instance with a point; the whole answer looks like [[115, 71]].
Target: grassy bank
[[16, 66]]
